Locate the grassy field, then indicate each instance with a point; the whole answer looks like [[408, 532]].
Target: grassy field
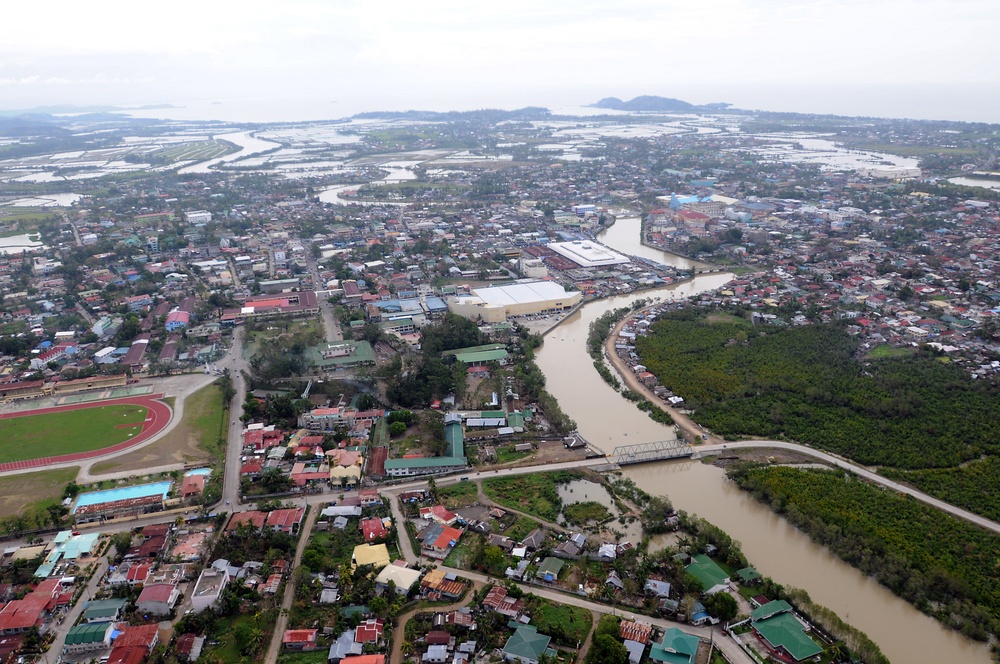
[[886, 350], [520, 528], [568, 625], [67, 432], [459, 495], [533, 494], [194, 439], [33, 491]]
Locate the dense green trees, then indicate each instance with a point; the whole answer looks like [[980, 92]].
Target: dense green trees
[[804, 384], [944, 566], [430, 376]]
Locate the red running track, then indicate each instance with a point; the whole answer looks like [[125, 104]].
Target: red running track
[[157, 418]]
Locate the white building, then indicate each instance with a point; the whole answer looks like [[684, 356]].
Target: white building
[[496, 304], [587, 254], [198, 217], [209, 588]]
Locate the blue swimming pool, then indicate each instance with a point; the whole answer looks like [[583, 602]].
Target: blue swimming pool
[[199, 471], [123, 493]]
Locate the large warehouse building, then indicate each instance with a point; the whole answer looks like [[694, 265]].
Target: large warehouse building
[[497, 303], [587, 254]]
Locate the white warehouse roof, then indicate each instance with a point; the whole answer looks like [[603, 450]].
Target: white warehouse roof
[[587, 254], [535, 291]]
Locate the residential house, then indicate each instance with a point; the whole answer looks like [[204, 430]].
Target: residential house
[[783, 633], [299, 639], [370, 631], [526, 646], [208, 589], [157, 599], [676, 647]]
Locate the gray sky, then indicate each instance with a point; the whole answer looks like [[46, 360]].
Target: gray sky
[[908, 58]]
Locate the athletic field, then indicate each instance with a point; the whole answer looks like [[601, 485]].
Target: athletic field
[[72, 433]]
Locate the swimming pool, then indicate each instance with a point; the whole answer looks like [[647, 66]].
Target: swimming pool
[[122, 493], [198, 471]]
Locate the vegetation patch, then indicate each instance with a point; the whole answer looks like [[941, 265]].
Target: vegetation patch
[[805, 383], [944, 566], [69, 431], [27, 499], [886, 350], [460, 494], [567, 625], [534, 494], [580, 514]]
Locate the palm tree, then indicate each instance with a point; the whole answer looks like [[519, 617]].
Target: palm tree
[[256, 641]]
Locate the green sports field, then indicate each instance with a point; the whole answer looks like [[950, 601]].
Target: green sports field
[[66, 432]]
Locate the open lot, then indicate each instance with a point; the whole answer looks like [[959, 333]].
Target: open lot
[[20, 493], [194, 439], [68, 431]]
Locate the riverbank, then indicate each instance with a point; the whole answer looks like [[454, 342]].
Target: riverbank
[[644, 242], [693, 433]]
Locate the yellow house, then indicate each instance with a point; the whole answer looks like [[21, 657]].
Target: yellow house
[[367, 554]]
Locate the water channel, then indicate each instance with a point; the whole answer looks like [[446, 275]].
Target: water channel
[[776, 548]]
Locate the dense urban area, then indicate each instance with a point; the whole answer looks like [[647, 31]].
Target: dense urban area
[[269, 393]]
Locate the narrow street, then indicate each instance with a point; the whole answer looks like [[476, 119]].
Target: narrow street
[[396, 656], [74, 614], [286, 603]]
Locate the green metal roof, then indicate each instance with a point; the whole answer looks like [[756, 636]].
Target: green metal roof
[[676, 647], [455, 438], [103, 608], [785, 631], [526, 642], [748, 574], [770, 609], [473, 349], [482, 356], [705, 570], [550, 566], [88, 633], [426, 462]]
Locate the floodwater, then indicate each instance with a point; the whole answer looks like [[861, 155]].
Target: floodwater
[[249, 144], [773, 546], [17, 244], [987, 183]]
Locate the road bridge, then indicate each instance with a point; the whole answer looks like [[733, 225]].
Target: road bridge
[[624, 455]]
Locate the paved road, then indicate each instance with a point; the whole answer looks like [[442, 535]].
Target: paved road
[[330, 324], [237, 365], [399, 629], [286, 604], [857, 470], [71, 617], [716, 444]]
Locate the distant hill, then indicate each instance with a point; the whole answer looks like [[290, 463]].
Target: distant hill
[[651, 103]]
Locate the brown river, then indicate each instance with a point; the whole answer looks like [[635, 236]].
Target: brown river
[[774, 547]]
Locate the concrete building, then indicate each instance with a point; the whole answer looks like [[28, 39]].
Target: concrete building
[[496, 304], [208, 589], [588, 254]]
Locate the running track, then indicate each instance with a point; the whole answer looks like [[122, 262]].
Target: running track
[[157, 418]]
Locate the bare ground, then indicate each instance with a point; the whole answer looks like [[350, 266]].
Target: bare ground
[[19, 491], [181, 446]]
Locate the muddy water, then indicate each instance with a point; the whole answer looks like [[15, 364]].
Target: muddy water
[[775, 548], [785, 554]]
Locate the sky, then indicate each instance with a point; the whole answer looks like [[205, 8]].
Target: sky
[[315, 59]]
